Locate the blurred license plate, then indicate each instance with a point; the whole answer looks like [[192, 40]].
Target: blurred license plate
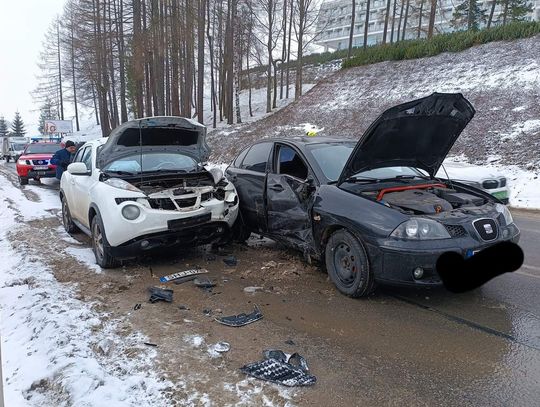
[[41, 167], [471, 253]]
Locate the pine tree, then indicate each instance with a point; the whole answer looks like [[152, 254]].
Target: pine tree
[[468, 14], [47, 112], [515, 10], [3, 127], [17, 127]]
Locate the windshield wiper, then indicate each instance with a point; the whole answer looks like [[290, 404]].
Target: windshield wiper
[[120, 172], [163, 171], [362, 180]]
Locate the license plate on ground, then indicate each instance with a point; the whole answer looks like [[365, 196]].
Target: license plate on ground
[[41, 167], [500, 195]]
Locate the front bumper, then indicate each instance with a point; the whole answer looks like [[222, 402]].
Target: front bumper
[[393, 262], [190, 236], [29, 172]]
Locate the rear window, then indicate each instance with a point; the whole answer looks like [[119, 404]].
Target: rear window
[[42, 148]]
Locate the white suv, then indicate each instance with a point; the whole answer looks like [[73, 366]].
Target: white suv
[[144, 187]]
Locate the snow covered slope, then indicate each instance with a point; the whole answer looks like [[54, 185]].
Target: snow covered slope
[[501, 79]]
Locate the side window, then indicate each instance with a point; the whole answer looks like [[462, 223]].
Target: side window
[[257, 157], [290, 163], [78, 156], [87, 158], [240, 157]]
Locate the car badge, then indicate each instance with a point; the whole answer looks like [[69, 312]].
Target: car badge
[[488, 229]]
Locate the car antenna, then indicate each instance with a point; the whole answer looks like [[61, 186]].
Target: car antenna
[[140, 148]]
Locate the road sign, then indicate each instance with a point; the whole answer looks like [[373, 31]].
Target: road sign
[[58, 126]]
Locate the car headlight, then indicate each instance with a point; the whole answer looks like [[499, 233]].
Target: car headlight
[[506, 213], [121, 184], [22, 162], [131, 212], [421, 229]]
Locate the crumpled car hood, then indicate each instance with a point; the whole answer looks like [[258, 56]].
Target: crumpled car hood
[[156, 134], [416, 134]]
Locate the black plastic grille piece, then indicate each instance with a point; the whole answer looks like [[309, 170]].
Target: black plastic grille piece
[[487, 229], [120, 200], [187, 202], [162, 203], [502, 182], [456, 230]]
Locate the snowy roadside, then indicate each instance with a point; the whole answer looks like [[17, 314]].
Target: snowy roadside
[[55, 349]]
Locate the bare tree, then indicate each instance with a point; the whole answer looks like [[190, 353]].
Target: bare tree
[[351, 31]]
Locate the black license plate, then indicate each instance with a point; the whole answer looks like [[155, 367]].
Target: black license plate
[[179, 224]]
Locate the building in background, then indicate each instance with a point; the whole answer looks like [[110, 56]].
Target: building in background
[[334, 21]]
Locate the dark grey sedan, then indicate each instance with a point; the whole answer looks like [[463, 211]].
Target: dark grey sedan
[[373, 210]]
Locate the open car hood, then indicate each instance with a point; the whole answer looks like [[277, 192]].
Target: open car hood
[[414, 134], [156, 134]]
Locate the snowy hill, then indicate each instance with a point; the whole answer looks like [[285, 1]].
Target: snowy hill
[[502, 80]]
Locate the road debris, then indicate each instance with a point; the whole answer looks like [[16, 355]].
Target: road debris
[[230, 261], [150, 344], [137, 306], [252, 290], [241, 319], [183, 307], [203, 282], [188, 275], [160, 294], [221, 347], [281, 368]]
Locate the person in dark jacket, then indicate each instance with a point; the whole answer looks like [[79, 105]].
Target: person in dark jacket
[[62, 158]]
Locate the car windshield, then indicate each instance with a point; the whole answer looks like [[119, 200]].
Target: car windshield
[[18, 146], [153, 162], [389, 172], [49, 148], [331, 157]]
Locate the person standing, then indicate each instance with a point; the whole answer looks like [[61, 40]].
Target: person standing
[[62, 158]]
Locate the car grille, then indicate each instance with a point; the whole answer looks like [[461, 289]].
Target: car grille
[[456, 230], [487, 229], [162, 203], [490, 184], [40, 162]]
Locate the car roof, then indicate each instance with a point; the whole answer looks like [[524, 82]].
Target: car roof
[[306, 140]]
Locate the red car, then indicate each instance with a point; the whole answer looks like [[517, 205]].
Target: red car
[[35, 162]]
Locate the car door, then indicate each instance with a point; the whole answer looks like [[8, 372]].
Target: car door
[[81, 187], [249, 177], [290, 190]]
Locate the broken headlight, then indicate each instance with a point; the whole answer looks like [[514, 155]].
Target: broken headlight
[[121, 184], [421, 229], [506, 213]]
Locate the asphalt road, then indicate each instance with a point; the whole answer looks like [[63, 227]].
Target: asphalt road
[[420, 346]]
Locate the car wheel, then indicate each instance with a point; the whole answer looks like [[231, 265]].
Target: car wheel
[[23, 180], [67, 221], [347, 264], [100, 246]]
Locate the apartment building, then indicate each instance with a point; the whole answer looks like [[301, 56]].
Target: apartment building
[[334, 21]]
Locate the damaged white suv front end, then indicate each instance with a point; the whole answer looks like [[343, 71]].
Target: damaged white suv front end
[[147, 187]]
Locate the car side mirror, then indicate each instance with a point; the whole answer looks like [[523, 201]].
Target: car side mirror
[[78, 169]]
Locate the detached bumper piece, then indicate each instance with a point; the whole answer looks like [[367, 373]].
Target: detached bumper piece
[[278, 367], [241, 319]]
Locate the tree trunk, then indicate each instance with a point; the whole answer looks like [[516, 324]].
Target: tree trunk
[[505, 12], [287, 82], [393, 22], [366, 27], [432, 14], [405, 20], [351, 33], [137, 63], [490, 19], [71, 28], [200, 60], [121, 58], [210, 37], [399, 21], [420, 18], [283, 49], [60, 72], [269, 48], [386, 18]]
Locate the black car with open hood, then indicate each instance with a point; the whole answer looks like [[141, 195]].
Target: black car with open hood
[[372, 210]]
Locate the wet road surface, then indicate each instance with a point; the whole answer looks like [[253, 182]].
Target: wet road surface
[[397, 347]]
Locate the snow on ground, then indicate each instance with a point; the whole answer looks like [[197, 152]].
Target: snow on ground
[[48, 335]]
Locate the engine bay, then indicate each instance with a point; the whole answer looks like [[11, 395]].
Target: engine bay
[[425, 199]]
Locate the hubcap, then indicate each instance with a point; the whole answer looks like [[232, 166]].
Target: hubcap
[[345, 264], [97, 238]]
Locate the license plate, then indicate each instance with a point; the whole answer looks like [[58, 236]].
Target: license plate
[[471, 253], [41, 167], [182, 274], [500, 195]]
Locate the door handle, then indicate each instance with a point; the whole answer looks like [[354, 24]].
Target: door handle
[[276, 187]]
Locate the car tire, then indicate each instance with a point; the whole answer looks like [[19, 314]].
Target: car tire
[[100, 245], [23, 180], [347, 265], [67, 221]]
